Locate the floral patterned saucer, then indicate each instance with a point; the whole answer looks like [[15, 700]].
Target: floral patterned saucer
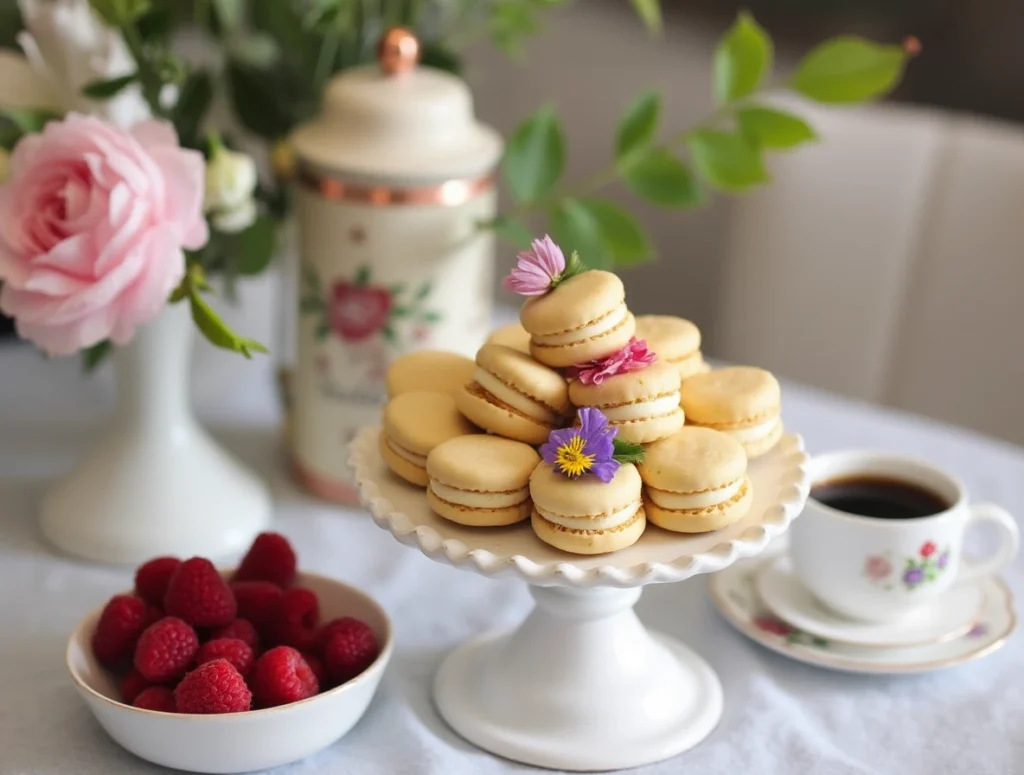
[[948, 616], [734, 593]]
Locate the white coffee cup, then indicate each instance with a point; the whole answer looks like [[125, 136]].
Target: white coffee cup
[[877, 569]]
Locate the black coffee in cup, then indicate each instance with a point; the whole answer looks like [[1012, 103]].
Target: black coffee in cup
[[879, 497]]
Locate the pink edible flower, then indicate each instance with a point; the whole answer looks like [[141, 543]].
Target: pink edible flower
[[538, 269], [633, 357]]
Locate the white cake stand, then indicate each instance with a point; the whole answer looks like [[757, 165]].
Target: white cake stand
[[581, 684]]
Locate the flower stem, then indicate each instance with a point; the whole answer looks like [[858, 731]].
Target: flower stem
[[149, 78]]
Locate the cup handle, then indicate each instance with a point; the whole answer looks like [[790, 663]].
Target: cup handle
[[989, 512]]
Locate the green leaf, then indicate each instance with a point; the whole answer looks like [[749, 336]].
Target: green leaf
[[649, 12], [625, 452], [424, 291], [311, 279], [229, 14], [849, 69], [254, 248], [95, 355], [397, 289], [620, 232], [362, 275], [389, 333], [742, 58], [573, 266], [437, 55], [575, 229], [105, 89], [311, 306], [29, 120], [323, 330], [770, 128], [216, 330], [535, 156], [726, 160], [195, 99], [430, 316], [263, 99], [512, 230], [400, 312], [638, 125], [512, 21], [120, 13], [663, 180]]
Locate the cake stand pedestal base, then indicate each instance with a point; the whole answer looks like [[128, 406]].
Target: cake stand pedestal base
[[579, 685]]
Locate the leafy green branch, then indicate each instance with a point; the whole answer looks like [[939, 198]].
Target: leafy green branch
[[213, 327], [725, 151]]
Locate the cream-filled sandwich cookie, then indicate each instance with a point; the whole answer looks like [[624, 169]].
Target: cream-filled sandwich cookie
[[513, 335], [696, 481], [675, 341], [513, 396], [741, 401], [432, 370], [415, 423], [481, 481], [583, 318], [643, 405], [586, 515]]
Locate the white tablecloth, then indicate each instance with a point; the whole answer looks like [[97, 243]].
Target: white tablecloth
[[780, 716]]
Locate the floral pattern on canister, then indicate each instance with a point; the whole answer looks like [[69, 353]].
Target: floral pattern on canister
[[357, 310], [923, 568]]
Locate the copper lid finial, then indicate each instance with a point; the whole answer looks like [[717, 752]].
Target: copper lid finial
[[399, 51]]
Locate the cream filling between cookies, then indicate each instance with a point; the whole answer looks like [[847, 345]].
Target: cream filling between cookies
[[412, 457], [601, 326], [754, 432], [602, 522], [643, 410], [681, 501], [478, 500], [516, 400]]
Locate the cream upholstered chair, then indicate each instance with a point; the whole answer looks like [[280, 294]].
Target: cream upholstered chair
[[887, 263]]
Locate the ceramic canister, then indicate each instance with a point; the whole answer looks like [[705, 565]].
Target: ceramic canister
[[393, 179]]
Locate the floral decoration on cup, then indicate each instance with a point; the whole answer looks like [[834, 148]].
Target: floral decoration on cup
[[590, 448], [540, 269], [925, 567], [789, 633], [633, 357]]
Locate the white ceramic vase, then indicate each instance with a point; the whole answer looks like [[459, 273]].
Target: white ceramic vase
[[156, 483]]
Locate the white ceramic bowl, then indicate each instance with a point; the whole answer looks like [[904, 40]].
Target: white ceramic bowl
[[237, 742]]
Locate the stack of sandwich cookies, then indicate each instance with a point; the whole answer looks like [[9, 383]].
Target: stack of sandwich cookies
[[695, 481], [415, 423], [512, 395], [675, 340], [587, 515], [433, 370], [643, 405], [481, 481], [583, 318], [741, 401]]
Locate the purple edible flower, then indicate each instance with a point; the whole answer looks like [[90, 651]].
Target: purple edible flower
[[538, 269], [943, 560], [588, 449], [913, 576]]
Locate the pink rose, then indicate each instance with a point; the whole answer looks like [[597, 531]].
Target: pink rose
[[92, 228], [877, 568]]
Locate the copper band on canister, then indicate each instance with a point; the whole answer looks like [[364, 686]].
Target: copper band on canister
[[451, 193]]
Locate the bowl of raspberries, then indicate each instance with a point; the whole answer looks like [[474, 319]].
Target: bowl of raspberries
[[222, 671]]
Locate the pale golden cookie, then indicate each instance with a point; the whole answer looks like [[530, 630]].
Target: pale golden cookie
[[513, 335], [742, 401], [674, 340], [643, 405], [415, 423], [514, 396], [431, 370], [481, 481], [584, 318]]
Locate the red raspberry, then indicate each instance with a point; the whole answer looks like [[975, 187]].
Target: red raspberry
[[350, 649], [281, 676], [257, 601], [214, 687], [270, 558], [122, 621], [132, 685], [317, 666], [241, 629], [296, 618], [233, 650], [198, 595], [166, 650], [157, 698], [151, 579]]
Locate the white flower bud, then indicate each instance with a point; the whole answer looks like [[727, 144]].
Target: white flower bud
[[230, 184]]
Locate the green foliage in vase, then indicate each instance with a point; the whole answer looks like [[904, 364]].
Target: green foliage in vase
[[675, 167]]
